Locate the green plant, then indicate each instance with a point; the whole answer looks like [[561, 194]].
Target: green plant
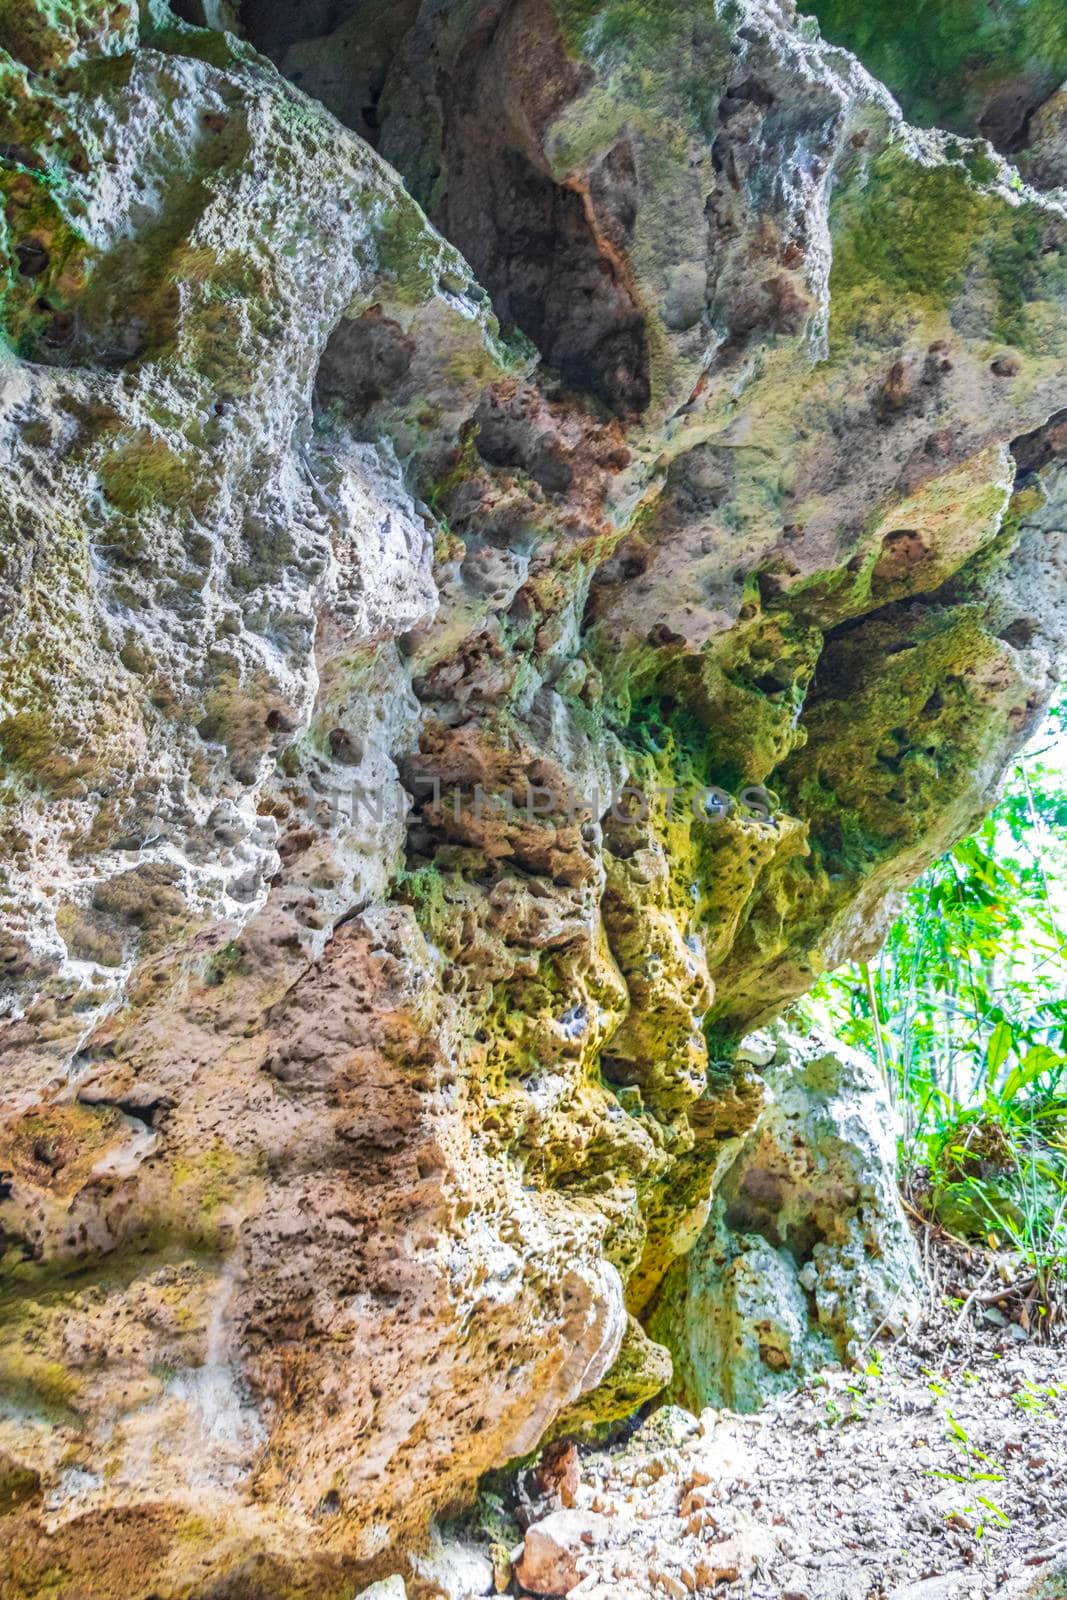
[[965, 1012], [975, 1468], [1037, 1398]]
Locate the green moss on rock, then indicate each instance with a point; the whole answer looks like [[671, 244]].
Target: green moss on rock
[[945, 60], [935, 212], [641, 1370]]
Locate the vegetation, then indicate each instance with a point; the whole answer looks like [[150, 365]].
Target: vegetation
[[944, 59], [966, 1012]]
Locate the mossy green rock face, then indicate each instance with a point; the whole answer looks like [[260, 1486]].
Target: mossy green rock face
[[444, 706], [959, 64]]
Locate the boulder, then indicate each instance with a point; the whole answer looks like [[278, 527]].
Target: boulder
[[807, 1258], [550, 1563], [454, 1569]]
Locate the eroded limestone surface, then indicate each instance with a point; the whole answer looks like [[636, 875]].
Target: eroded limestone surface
[[807, 1257], [353, 1116]]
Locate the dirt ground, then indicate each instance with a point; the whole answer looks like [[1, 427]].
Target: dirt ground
[[938, 1473], [856, 1488]]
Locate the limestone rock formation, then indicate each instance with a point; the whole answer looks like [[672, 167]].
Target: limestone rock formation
[[807, 1256], [497, 596]]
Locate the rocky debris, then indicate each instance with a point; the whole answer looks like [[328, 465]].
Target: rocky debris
[[553, 1550], [936, 1475], [454, 1570], [807, 1258], [440, 717]]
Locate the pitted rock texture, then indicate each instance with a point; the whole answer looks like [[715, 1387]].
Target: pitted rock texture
[[807, 1256], [369, 1055]]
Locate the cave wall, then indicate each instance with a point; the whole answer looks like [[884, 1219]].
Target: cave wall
[[497, 597]]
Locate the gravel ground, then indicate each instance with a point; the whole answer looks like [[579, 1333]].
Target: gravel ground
[[857, 1488], [938, 1473]]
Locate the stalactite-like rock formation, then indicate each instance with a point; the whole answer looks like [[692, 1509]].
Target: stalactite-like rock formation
[[523, 525]]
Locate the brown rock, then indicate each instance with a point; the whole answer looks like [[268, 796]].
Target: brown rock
[[556, 1475], [553, 1548]]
